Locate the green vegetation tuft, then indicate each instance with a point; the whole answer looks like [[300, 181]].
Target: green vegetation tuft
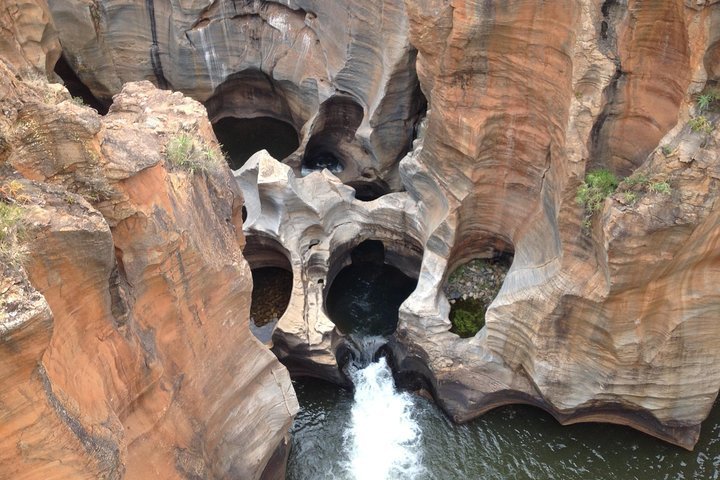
[[666, 150], [193, 154], [467, 317], [701, 124], [660, 187], [598, 185], [640, 183], [707, 99], [630, 197]]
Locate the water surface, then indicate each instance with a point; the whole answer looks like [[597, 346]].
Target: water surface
[[514, 442]]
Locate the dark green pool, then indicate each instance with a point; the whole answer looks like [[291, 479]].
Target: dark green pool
[[515, 442]]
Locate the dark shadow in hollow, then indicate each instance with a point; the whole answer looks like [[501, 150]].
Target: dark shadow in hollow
[[77, 88], [332, 134], [364, 298], [370, 190], [272, 284], [242, 137]]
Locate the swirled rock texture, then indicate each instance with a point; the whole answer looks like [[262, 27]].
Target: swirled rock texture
[[124, 339], [615, 322], [290, 60]]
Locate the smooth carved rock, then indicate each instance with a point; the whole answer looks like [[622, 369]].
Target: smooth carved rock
[[316, 221], [579, 326], [287, 60], [140, 363], [614, 325]]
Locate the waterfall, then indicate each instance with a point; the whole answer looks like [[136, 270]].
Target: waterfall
[[382, 439]]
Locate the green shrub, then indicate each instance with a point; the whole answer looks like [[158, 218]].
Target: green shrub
[[666, 150], [707, 98], [630, 197], [598, 185], [11, 232], [700, 124], [191, 153], [467, 317], [660, 187], [636, 179], [644, 185]]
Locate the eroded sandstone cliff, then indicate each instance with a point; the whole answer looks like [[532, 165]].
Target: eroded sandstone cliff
[[616, 323], [124, 339]]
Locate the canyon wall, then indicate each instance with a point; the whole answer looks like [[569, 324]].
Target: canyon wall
[[611, 324], [124, 339], [603, 318], [308, 63]]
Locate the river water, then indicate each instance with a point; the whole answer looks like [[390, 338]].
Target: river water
[[379, 433]]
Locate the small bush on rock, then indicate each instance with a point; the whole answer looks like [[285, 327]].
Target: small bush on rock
[[598, 185], [467, 317], [193, 154], [707, 99], [700, 124]]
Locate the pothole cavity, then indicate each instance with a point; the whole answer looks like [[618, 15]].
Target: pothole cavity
[[242, 137], [331, 143], [272, 284], [367, 191], [364, 297], [471, 287]]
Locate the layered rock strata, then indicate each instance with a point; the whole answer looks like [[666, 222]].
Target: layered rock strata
[[307, 63], [615, 324], [124, 338]]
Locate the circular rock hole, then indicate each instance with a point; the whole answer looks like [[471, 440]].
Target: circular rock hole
[[333, 135], [369, 191], [319, 160], [242, 137], [471, 288], [364, 297], [272, 284]]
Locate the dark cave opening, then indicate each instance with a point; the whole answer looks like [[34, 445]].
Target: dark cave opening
[[272, 284], [77, 88], [364, 297], [367, 191], [242, 137], [319, 160], [333, 135]]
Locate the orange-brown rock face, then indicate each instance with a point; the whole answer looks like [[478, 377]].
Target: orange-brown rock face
[[340, 73], [615, 324], [126, 351]]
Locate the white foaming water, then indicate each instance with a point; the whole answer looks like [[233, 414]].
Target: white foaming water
[[383, 440]]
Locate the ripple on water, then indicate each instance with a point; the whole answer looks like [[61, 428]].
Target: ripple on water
[[514, 442]]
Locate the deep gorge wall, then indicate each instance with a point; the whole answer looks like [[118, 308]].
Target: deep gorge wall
[[615, 322], [124, 339]]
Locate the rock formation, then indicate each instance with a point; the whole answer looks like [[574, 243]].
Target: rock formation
[[616, 322], [124, 339], [342, 73], [612, 325]]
